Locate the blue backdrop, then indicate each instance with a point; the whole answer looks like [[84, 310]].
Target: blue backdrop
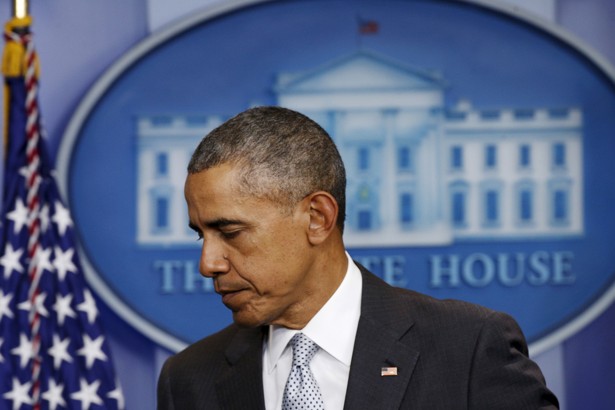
[[588, 367]]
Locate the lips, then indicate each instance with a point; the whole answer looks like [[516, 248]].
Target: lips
[[230, 297]]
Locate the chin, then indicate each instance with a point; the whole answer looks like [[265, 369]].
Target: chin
[[243, 320]]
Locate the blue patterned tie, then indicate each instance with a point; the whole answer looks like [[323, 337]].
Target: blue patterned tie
[[301, 391]]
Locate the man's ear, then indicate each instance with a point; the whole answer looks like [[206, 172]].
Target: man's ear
[[323, 216]]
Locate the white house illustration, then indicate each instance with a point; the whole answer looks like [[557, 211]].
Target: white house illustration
[[419, 172]]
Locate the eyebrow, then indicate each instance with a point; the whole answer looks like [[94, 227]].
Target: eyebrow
[[217, 223]]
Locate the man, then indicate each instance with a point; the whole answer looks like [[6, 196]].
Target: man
[[266, 195]]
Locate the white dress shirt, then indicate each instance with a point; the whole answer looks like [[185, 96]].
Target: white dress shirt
[[333, 328]]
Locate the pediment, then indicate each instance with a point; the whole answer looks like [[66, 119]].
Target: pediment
[[359, 71]]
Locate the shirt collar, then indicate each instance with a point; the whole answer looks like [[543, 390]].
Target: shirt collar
[[333, 328]]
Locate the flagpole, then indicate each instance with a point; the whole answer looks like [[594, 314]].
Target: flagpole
[[21, 8]]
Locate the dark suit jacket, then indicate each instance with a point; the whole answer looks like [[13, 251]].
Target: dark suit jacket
[[449, 355]]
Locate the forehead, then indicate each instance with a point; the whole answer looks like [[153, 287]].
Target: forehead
[[212, 185], [216, 193]]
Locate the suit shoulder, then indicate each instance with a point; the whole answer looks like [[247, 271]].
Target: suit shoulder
[[458, 308], [383, 301], [459, 320]]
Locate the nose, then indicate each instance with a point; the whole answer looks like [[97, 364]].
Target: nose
[[213, 260]]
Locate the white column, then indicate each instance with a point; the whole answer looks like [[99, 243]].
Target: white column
[[389, 201]]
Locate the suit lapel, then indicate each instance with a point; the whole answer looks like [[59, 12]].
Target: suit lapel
[[384, 324], [241, 386]]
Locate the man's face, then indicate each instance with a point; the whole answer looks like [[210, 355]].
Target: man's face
[[258, 254]]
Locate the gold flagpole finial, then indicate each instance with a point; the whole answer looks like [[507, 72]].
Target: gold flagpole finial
[[13, 55], [20, 8], [13, 63]]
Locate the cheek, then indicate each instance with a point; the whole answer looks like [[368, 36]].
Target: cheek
[[273, 263], [292, 245], [269, 279]]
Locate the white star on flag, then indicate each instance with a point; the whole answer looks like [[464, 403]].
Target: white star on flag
[[43, 216], [118, 395], [5, 301], [62, 218], [19, 394], [88, 306], [10, 260], [19, 216], [64, 262], [59, 351], [63, 308], [39, 305], [54, 395], [26, 172], [87, 394], [92, 350], [1, 343], [24, 350], [42, 260]]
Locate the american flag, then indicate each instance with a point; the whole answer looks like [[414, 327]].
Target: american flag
[[368, 26], [53, 352]]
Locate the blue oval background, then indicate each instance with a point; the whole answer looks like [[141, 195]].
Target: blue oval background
[[227, 63]]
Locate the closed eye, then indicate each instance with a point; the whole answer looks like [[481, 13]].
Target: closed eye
[[230, 234]]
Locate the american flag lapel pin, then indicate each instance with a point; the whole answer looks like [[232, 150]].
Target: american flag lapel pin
[[388, 371]]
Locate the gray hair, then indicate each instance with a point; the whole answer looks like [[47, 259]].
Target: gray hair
[[280, 154]]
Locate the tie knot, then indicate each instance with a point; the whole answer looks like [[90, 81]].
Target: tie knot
[[303, 349]]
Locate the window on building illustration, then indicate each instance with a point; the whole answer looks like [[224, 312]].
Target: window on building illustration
[[525, 156], [404, 158], [161, 212], [490, 156], [363, 158], [162, 164], [459, 208], [406, 208], [560, 198], [364, 222], [560, 206], [459, 197], [364, 193], [491, 206], [526, 209], [456, 157], [559, 155]]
